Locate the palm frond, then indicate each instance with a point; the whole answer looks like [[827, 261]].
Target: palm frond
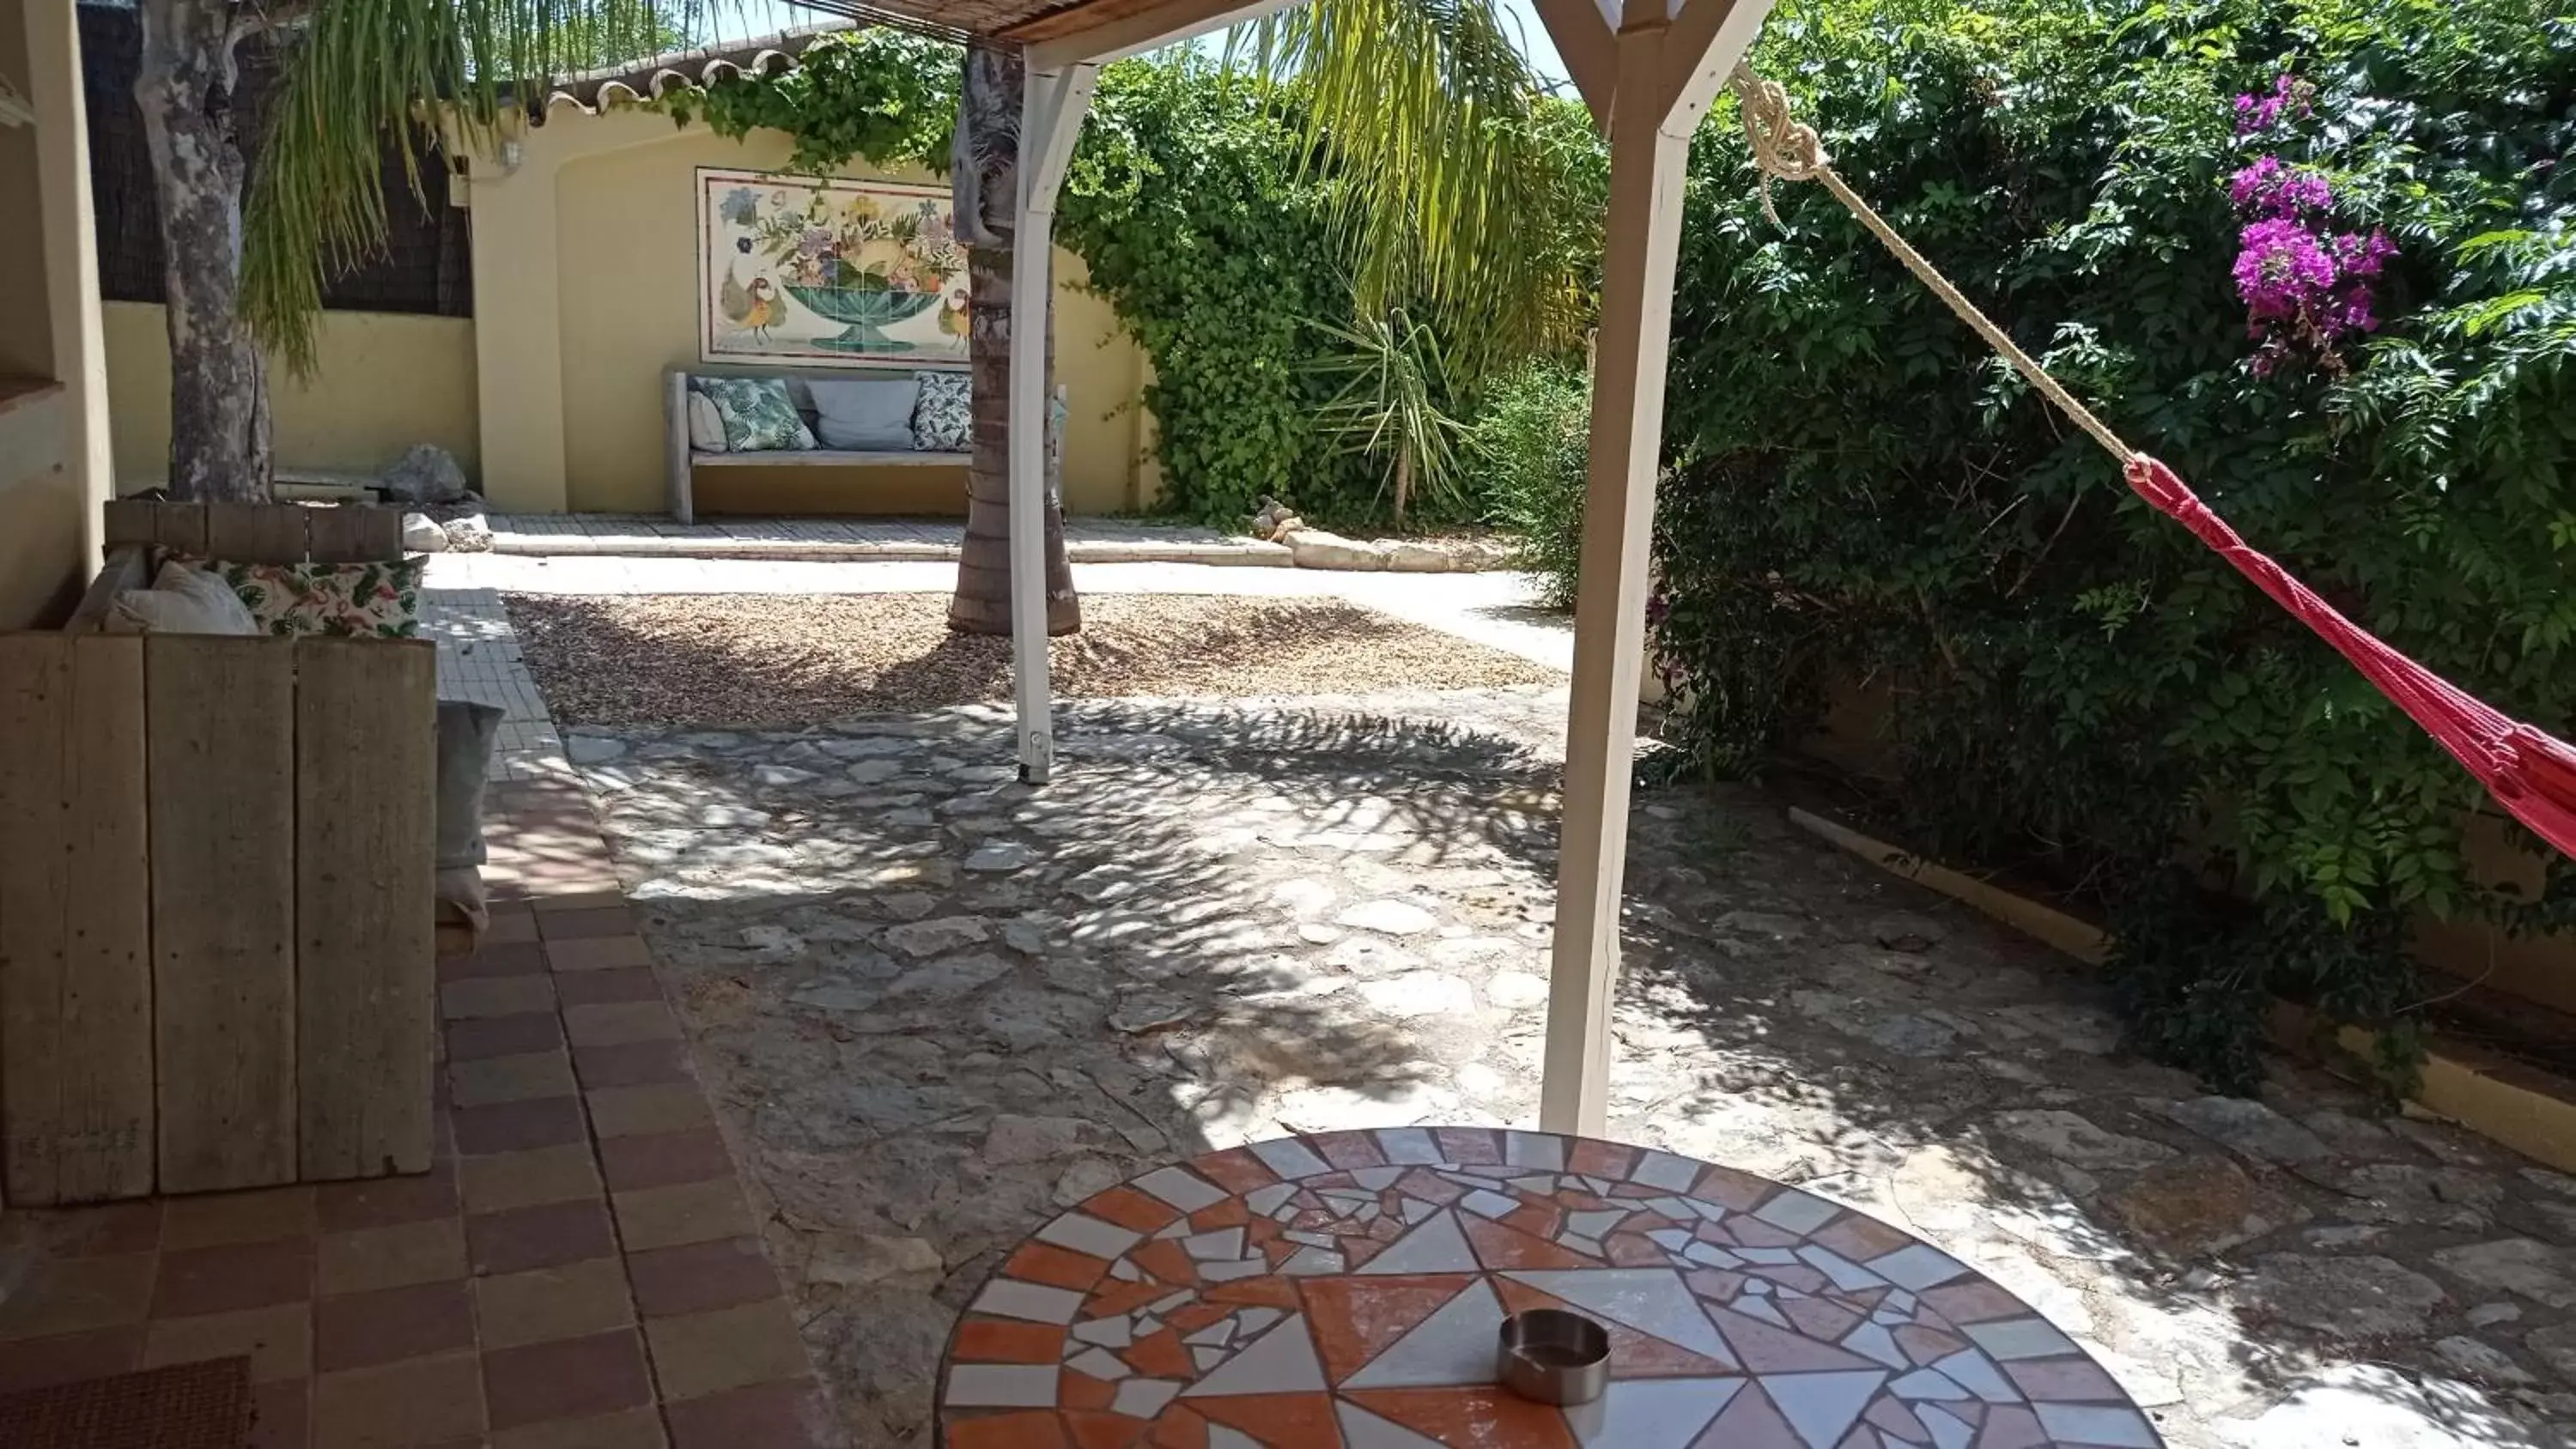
[[361, 75], [1446, 192]]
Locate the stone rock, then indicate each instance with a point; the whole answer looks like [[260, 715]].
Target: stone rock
[[1480, 1082], [2066, 1025], [1369, 956], [1146, 1011], [2401, 1192], [1515, 990], [1000, 857], [2358, 1297], [1419, 993], [424, 475], [835, 996], [2555, 1347], [468, 534], [2481, 1361], [929, 938], [949, 977], [420, 535], [592, 749], [2249, 1127], [1388, 918], [1012, 1141], [2535, 1270], [1312, 548], [1913, 1036], [780, 777], [2197, 1206], [2488, 1315], [2071, 1138], [1405, 556], [2373, 1406], [771, 942], [853, 1261], [1354, 1107], [1085, 1179]]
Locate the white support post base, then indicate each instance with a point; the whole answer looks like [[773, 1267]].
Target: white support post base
[[1654, 103], [1050, 119]]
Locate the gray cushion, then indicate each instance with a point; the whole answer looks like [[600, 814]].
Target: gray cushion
[[865, 417]]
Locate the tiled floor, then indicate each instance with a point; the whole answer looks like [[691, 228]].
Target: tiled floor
[[578, 1270], [1346, 1288]]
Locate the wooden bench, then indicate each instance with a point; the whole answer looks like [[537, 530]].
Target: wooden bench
[[215, 885], [684, 459]]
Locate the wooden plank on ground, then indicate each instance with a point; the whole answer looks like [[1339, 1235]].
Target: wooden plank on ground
[[366, 832], [355, 533], [75, 911], [267, 533], [222, 731]]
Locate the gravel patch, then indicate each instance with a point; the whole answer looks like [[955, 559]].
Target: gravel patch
[[770, 661]]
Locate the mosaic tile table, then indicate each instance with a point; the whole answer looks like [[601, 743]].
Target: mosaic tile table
[[1344, 1289]]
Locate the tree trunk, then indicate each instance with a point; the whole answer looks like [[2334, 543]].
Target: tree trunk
[[219, 423], [987, 180]]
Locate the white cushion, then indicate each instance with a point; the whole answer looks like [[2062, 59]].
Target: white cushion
[[706, 425], [185, 600], [864, 415]]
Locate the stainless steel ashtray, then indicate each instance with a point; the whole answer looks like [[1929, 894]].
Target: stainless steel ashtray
[[1553, 1357]]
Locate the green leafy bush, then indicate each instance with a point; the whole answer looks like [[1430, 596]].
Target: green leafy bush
[[1531, 441], [2076, 685]]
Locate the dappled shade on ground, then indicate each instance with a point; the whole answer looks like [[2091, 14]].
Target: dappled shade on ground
[[770, 661]]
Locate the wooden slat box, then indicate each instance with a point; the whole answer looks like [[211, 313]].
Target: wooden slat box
[[215, 889]]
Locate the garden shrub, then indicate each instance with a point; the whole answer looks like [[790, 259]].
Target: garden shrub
[[1530, 442], [2355, 350]]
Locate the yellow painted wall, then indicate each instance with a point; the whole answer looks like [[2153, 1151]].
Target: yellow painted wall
[[45, 480], [626, 281], [384, 382], [40, 510]]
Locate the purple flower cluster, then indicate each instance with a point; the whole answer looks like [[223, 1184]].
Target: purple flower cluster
[[2262, 113], [2305, 288]]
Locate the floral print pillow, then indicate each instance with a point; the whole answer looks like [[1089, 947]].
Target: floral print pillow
[[352, 600], [759, 416], [943, 416]]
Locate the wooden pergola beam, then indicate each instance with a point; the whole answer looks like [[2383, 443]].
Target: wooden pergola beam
[[1110, 30]]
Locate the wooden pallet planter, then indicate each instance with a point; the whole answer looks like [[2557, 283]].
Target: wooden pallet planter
[[215, 888]]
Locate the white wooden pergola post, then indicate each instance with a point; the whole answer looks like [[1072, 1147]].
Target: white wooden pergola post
[[1062, 69], [1050, 118], [1648, 82]]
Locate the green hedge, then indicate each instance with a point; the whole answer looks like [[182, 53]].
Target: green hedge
[[2077, 687]]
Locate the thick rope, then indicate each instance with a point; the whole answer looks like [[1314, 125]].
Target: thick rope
[[1785, 147], [2527, 771]]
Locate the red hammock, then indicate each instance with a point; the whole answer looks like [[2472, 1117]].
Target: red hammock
[[2528, 772]]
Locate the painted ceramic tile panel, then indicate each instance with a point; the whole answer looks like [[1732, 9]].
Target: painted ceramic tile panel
[[1345, 1289], [827, 272]]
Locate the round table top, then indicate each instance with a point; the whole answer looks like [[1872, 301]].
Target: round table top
[[1344, 1289]]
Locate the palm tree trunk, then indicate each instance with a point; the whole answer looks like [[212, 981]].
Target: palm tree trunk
[[219, 421], [987, 156]]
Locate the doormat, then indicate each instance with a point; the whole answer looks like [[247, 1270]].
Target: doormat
[[186, 1406]]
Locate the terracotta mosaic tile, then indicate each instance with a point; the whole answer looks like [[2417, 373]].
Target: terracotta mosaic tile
[[660, 1159], [360, 1330], [574, 1300], [629, 1064], [216, 1219], [689, 1212], [598, 953], [343, 1207], [538, 1237], [501, 1036], [708, 1353], [423, 1252], [782, 1415], [75, 1295], [41, 1363], [416, 1402], [1346, 1290], [570, 1378], [700, 1277], [277, 1340]]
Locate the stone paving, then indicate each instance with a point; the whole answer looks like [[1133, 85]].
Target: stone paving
[[935, 1005]]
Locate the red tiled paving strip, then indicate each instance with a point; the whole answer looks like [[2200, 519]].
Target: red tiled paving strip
[[578, 1268]]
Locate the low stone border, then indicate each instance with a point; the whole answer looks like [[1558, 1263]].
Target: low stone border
[[911, 543]]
